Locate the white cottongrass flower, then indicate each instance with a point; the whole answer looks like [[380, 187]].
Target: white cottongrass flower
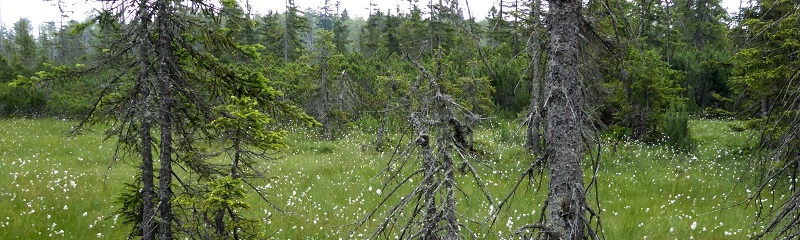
[[693, 226]]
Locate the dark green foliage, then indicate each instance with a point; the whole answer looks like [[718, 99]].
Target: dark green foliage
[[765, 74], [512, 92], [370, 37], [340, 35], [21, 101], [412, 34], [676, 128], [225, 196], [294, 26], [270, 32], [24, 40], [131, 210], [737, 127], [641, 97], [706, 77], [391, 23], [619, 133], [7, 71], [718, 113]]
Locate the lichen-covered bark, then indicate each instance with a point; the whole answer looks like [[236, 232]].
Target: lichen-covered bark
[[165, 118], [564, 103], [148, 185], [533, 139], [147, 224]]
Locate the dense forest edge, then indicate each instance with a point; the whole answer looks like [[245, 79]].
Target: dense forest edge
[[454, 124]]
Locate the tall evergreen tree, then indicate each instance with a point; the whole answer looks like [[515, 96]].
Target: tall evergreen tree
[[294, 26], [412, 33], [370, 38], [24, 40], [702, 51], [341, 33]]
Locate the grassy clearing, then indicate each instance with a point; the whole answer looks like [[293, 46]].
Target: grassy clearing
[[55, 186]]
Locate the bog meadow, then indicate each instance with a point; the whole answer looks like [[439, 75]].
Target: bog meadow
[[560, 119], [66, 187]]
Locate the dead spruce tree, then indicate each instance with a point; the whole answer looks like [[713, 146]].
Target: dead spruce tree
[[566, 202], [564, 112], [565, 211], [536, 46], [428, 165]]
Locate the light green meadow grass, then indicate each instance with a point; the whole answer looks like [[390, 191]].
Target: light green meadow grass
[[647, 190], [54, 185], [322, 187]]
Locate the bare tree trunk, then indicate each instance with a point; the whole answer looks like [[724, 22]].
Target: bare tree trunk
[[431, 33], [219, 223], [237, 156], [440, 175], [515, 43], [341, 101], [148, 209], [323, 110], [286, 34], [380, 141], [668, 30], [533, 141], [448, 164], [148, 184], [430, 183], [566, 197], [166, 102], [165, 173]]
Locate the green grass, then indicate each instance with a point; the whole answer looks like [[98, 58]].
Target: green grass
[[53, 185], [645, 190]]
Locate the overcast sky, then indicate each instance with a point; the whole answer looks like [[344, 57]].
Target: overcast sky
[[39, 11]]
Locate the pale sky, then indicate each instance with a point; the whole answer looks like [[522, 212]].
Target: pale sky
[[39, 11]]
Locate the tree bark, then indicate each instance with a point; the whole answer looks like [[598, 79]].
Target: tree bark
[[323, 110], [429, 164], [566, 197], [165, 119], [533, 140], [286, 32], [148, 209], [165, 173], [147, 224], [379, 141]]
